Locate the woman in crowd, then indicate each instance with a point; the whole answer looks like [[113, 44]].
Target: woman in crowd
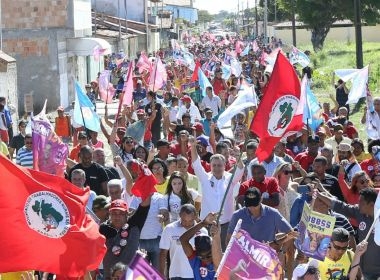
[[160, 171]]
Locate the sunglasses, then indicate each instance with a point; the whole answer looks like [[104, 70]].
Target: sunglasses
[[287, 172], [128, 142], [336, 247]]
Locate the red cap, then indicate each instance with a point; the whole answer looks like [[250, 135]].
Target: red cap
[[118, 204], [140, 112], [198, 126], [186, 98]]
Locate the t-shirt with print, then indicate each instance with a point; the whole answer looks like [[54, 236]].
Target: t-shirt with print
[[174, 203], [201, 270]]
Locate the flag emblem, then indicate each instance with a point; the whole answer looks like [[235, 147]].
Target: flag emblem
[[47, 214], [282, 114]]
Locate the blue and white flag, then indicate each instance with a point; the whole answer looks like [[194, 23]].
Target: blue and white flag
[[84, 110], [359, 78], [297, 56], [226, 71], [203, 82], [312, 111], [246, 98], [246, 50], [235, 67]]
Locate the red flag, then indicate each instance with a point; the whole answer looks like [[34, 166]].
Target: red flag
[[194, 77], [45, 224], [280, 109], [145, 184]]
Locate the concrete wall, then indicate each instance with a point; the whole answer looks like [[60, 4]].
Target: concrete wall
[[134, 8], [343, 34]]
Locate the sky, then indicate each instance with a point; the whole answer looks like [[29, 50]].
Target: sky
[[214, 6]]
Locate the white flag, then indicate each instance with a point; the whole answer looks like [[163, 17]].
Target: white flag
[[376, 213]]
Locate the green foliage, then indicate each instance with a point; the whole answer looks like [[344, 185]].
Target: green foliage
[[204, 16]]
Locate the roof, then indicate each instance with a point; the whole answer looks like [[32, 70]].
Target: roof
[[107, 25]]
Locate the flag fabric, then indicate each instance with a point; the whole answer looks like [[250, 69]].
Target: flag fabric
[[49, 152], [280, 110], [359, 78], [317, 226], [238, 45], [143, 63], [246, 50], [377, 219], [47, 225], [255, 47], [312, 111], [140, 269], [297, 56], [194, 77], [235, 67], [203, 82], [145, 183], [226, 71], [128, 86], [246, 258], [246, 98], [106, 89], [84, 110], [97, 52], [158, 76]]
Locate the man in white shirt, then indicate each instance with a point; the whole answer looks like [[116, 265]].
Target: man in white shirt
[[270, 165], [338, 138], [214, 186], [190, 108], [180, 268], [212, 101]]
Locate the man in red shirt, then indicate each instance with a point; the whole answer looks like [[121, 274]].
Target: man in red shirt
[[306, 159], [371, 166], [268, 186]]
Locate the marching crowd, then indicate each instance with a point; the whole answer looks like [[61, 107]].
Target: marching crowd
[[180, 228]]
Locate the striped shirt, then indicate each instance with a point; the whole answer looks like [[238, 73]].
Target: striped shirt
[[25, 157], [342, 222]]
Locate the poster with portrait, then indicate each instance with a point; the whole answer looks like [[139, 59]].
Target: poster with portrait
[[315, 231]]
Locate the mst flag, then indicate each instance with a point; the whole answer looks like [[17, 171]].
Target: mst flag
[[280, 110], [45, 226]]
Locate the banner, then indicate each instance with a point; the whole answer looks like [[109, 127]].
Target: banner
[[49, 152], [315, 231], [140, 269], [246, 258]]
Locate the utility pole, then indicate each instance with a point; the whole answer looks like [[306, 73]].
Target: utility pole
[[265, 20], [256, 20], [358, 34], [146, 25], [294, 24]]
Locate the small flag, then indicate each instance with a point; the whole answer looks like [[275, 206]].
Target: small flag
[[106, 89], [359, 79], [297, 56], [203, 82], [140, 269], [128, 86]]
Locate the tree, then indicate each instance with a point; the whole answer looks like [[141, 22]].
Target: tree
[[204, 17], [319, 15]]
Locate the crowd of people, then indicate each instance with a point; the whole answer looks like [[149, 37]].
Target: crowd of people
[[181, 229]]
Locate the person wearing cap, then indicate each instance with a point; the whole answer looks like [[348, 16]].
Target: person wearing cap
[[100, 207], [198, 129], [364, 213], [338, 258], [346, 158], [207, 255], [188, 107], [96, 176], [82, 141], [78, 178], [17, 141], [63, 125], [262, 222], [212, 101], [306, 271], [170, 243], [306, 158], [202, 148], [214, 185], [337, 138], [122, 233], [139, 94]]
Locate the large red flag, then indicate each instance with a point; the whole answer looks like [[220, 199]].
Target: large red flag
[[280, 110], [45, 226]]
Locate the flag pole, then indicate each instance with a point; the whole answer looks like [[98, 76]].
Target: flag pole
[[155, 73]]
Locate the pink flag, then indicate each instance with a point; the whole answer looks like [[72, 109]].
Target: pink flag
[[128, 86], [238, 45], [106, 89], [158, 76], [143, 64], [97, 52], [255, 47]]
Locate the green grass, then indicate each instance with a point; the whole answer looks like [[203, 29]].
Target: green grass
[[340, 55]]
